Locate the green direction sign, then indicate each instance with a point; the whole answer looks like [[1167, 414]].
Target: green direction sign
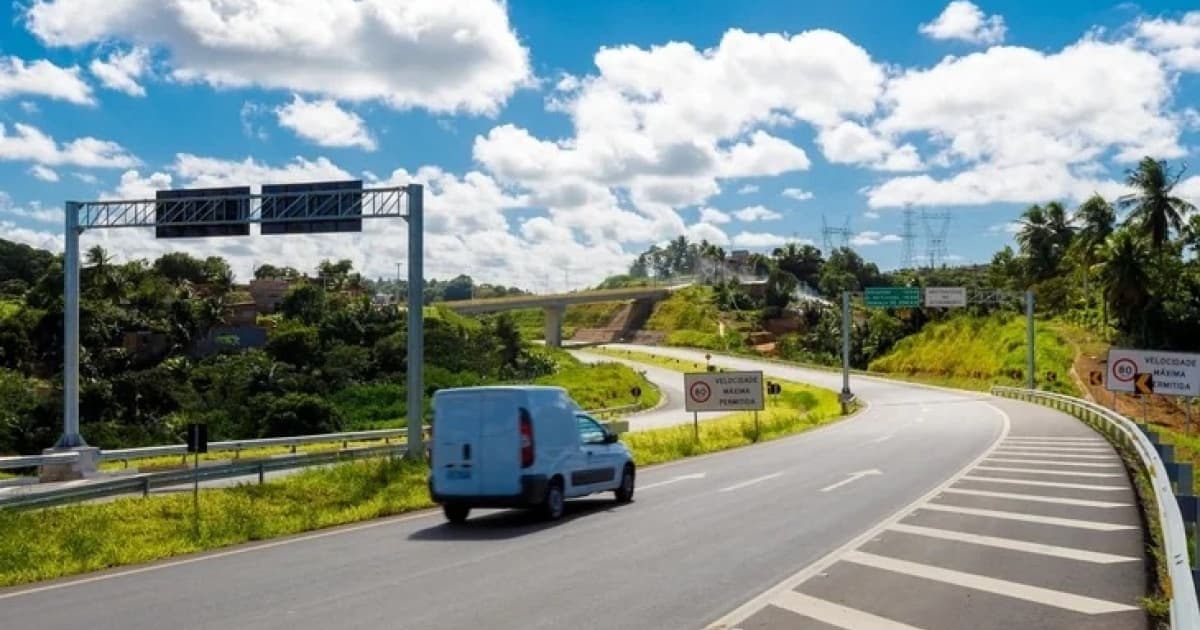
[[893, 297]]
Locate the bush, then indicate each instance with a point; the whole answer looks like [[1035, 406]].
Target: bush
[[296, 344], [301, 414]]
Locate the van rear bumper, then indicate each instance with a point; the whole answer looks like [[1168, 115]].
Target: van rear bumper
[[533, 491]]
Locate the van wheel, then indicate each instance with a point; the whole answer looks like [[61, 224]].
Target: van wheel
[[624, 492], [456, 513], [551, 508]]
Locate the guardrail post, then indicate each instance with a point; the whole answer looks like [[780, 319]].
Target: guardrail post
[[293, 449], [261, 470], [145, 487]]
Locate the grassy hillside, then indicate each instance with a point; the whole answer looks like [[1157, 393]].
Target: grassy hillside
[[531, 320], [600, 385], [977, 352], [691, 319]]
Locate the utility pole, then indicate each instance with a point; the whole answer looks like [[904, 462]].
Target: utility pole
[[398, 276], [845, 351]]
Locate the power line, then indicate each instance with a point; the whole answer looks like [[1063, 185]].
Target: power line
[[937, 232], [830, 233], [909, 238]]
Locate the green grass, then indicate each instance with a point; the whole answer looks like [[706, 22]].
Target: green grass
[[175, 461], [531, 321], [600, 385], [690, 308], [978, 352], [799, 408], [45, 544]]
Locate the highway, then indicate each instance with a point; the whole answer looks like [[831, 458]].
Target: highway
[[866, 523]]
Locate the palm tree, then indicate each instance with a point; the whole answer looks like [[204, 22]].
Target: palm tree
[[1126, 275], [1154, 211], [1036, 239], [1096, 216]]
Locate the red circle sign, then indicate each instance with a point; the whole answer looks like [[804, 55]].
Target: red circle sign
[[1124, 370], [700, 392]]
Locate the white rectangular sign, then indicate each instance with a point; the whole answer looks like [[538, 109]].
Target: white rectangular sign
[[1174, 373], [945, 297], [723, 391]]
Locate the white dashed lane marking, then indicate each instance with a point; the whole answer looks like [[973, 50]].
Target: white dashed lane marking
[[1068, 553]]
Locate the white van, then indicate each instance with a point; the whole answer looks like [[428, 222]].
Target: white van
[[520, 446]]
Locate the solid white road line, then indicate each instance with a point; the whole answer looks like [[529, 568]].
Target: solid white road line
[[1056, 449], [750, 482], [656, 484], [1069, 553], [1044, 484], [835, 614], [1044, 462], [1052, 455], [1028, 518], [1036, 594], [1056, 438], [1043, 471], [1078, 444], [1037, 498]]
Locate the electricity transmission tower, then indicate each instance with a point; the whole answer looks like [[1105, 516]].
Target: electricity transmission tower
[[937, 231], [908, 256], [831, 234]]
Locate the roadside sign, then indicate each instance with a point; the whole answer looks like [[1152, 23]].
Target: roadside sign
[[1095, 377], [945, 297], [723, 391], [197, 438], [1167, 373], [892, 297]]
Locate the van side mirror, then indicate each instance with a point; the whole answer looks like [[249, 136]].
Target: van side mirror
[[610, 437]]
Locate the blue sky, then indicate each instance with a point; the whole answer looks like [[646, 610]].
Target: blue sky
[[567, 136]]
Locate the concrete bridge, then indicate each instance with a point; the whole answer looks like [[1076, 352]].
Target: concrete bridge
[[555, 305]]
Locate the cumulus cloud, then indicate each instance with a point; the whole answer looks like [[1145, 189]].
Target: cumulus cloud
[[1011, 227], [867, 239], [441, 56], [984, 184], [30, 144], [121, 70], [1177, 41], [799, 194], [964, 21], [757, 213], [323, 122], [759, 239], [714, 216], [34, 212], [43, 173], [43, 78], [870, 215], [851, 143]]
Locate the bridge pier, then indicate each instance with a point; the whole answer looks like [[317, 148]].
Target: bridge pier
[[553, 327]]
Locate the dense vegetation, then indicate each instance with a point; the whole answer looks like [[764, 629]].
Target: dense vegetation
[[332, 361], [1127, 269]]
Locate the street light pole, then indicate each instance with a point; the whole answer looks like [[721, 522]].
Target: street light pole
[[70, 437], [416, 320]]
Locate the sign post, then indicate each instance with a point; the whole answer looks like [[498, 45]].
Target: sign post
[[197, 442], [945, 297], [722, 391], [846, 351]]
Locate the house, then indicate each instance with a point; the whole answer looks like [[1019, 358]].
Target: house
[[269, 292], [241, 314]]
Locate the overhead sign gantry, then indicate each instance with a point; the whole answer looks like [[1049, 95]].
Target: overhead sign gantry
[[216, 212]]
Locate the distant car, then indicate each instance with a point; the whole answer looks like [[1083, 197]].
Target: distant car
[[521, 446]]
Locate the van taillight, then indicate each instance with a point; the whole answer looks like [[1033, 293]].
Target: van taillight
[[526, 440]]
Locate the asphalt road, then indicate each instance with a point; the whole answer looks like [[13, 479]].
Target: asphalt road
[[704, 537], [669, 412]]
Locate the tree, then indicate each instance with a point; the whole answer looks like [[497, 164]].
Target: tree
[[1045, 235], [1154, 211], [461, 287], [804, 262], [781, 289], [265, 272], [296, 344], [1126, 275], [300, 414], [180, 267], [306, 303], [1096, 216]]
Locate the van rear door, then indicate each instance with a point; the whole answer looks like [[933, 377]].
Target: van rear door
[[499, 462], [457, 435]]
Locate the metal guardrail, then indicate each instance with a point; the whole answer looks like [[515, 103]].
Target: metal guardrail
[[32, 461], [1185, 613], [126, 454], [144, 483]]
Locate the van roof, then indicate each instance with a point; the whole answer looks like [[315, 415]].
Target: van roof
[[503, 388]]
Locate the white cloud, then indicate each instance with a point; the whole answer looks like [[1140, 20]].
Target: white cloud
[[1011, 105], [121, 70], [748, 189], [962, 20], [707, 232], [437, 55], [325, 123], [798, 194], [43, 78], [213, 172], [763, 155], [757, 213], [86, 178], [851, 143], [34, 212], [870, 215], [1011, 227], [984, 184], [714, 216], [1177, 41], [29, 107], [133, 186], [43, 173], [867, 239], [759, 239], [1189, 189], [34, 238], [250, 115], [28, 143]]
